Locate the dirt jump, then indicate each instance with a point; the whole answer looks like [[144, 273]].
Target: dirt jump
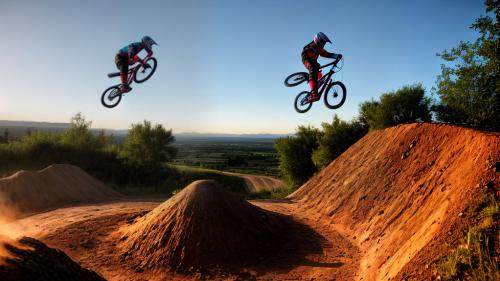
[[28, 192], [389, 206], [30, 259], [197, 229]]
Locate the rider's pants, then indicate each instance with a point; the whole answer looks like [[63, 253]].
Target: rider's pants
[[313, 68], [121, 62]]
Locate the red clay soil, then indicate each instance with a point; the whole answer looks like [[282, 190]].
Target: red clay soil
[[30, 260], [389, 206], [203, 226], [28, 192], [404, 195]]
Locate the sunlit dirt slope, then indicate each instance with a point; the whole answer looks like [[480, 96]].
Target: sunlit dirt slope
[[405, 193]]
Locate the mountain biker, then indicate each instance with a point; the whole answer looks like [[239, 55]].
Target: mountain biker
[[310, 55], [128, 55]]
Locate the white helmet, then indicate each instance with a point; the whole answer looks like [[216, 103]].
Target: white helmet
[[148, 43], [320, 39]]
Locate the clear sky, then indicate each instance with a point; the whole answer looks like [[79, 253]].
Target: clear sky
[[221, 63]]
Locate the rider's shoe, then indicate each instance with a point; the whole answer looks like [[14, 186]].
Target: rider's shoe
[[125, 88], [313, 98]]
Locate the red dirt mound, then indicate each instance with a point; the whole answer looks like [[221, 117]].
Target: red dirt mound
[[27, 192], [404, 194], [202, 226], [30, 259]]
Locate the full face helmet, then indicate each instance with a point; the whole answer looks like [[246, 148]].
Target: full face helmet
[[320, 39], [148, 43]]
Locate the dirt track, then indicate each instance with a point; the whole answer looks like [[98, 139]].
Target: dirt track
[[256, 183], [385, 209], [88, 234]]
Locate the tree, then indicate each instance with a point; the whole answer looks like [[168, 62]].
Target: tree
[[406, 105], [78, 135], [148, 146], [468, 86], [337, 137], [294, 153]]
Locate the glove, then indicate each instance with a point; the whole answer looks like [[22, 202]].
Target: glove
[[339, 56]]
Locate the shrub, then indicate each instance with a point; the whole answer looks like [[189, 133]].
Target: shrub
[[337, 137], [294, 153], [406, 105]]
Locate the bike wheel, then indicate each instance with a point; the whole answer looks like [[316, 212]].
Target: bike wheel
[[144, 72], [296, 78], [335, 95], [111, 97], [301, 102]]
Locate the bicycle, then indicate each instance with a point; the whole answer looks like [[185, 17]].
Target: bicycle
[[333, 99], [112, 96]]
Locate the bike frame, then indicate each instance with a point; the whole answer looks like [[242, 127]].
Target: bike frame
[[130, 73], [326, 77]]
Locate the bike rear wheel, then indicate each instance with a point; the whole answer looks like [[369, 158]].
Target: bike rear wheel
[[144, 72], [335, 95], [302, 103], [296, 78], [111, 96]]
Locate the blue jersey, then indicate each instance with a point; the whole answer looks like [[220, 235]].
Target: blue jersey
[[131, 50]]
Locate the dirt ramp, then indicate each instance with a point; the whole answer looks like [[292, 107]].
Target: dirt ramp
[[203, 226], [30, 259], [405, 193], [27, 192]]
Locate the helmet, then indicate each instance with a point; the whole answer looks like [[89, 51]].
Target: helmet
[[320, 39], [148, 43]]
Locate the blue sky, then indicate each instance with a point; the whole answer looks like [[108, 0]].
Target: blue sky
[[221, 63]]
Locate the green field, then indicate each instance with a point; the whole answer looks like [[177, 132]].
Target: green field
[[233, 154]]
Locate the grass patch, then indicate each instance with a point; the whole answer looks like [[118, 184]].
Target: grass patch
[[474, 259]]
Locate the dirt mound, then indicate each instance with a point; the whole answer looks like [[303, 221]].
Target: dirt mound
[[27, 192], [404, 194], [30, 259], [202, 226]]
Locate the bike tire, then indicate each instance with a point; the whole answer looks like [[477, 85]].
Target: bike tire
[[336, 101], [113, 101], [300, 105], [295, 79], [152, 62]]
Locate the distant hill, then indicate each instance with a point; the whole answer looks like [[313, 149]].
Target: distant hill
[[31, 124], [19, 128], [215, 136]]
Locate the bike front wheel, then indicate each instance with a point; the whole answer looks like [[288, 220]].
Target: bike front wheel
[[335, 95], [296, 78], [145, 71], [302, 103], [111, 96]]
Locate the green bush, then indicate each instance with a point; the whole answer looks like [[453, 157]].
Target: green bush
[[406, 105], [144, 153], [294, 153], [337, 137]]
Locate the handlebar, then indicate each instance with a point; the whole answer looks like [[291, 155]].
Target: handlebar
[[334, 63]]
